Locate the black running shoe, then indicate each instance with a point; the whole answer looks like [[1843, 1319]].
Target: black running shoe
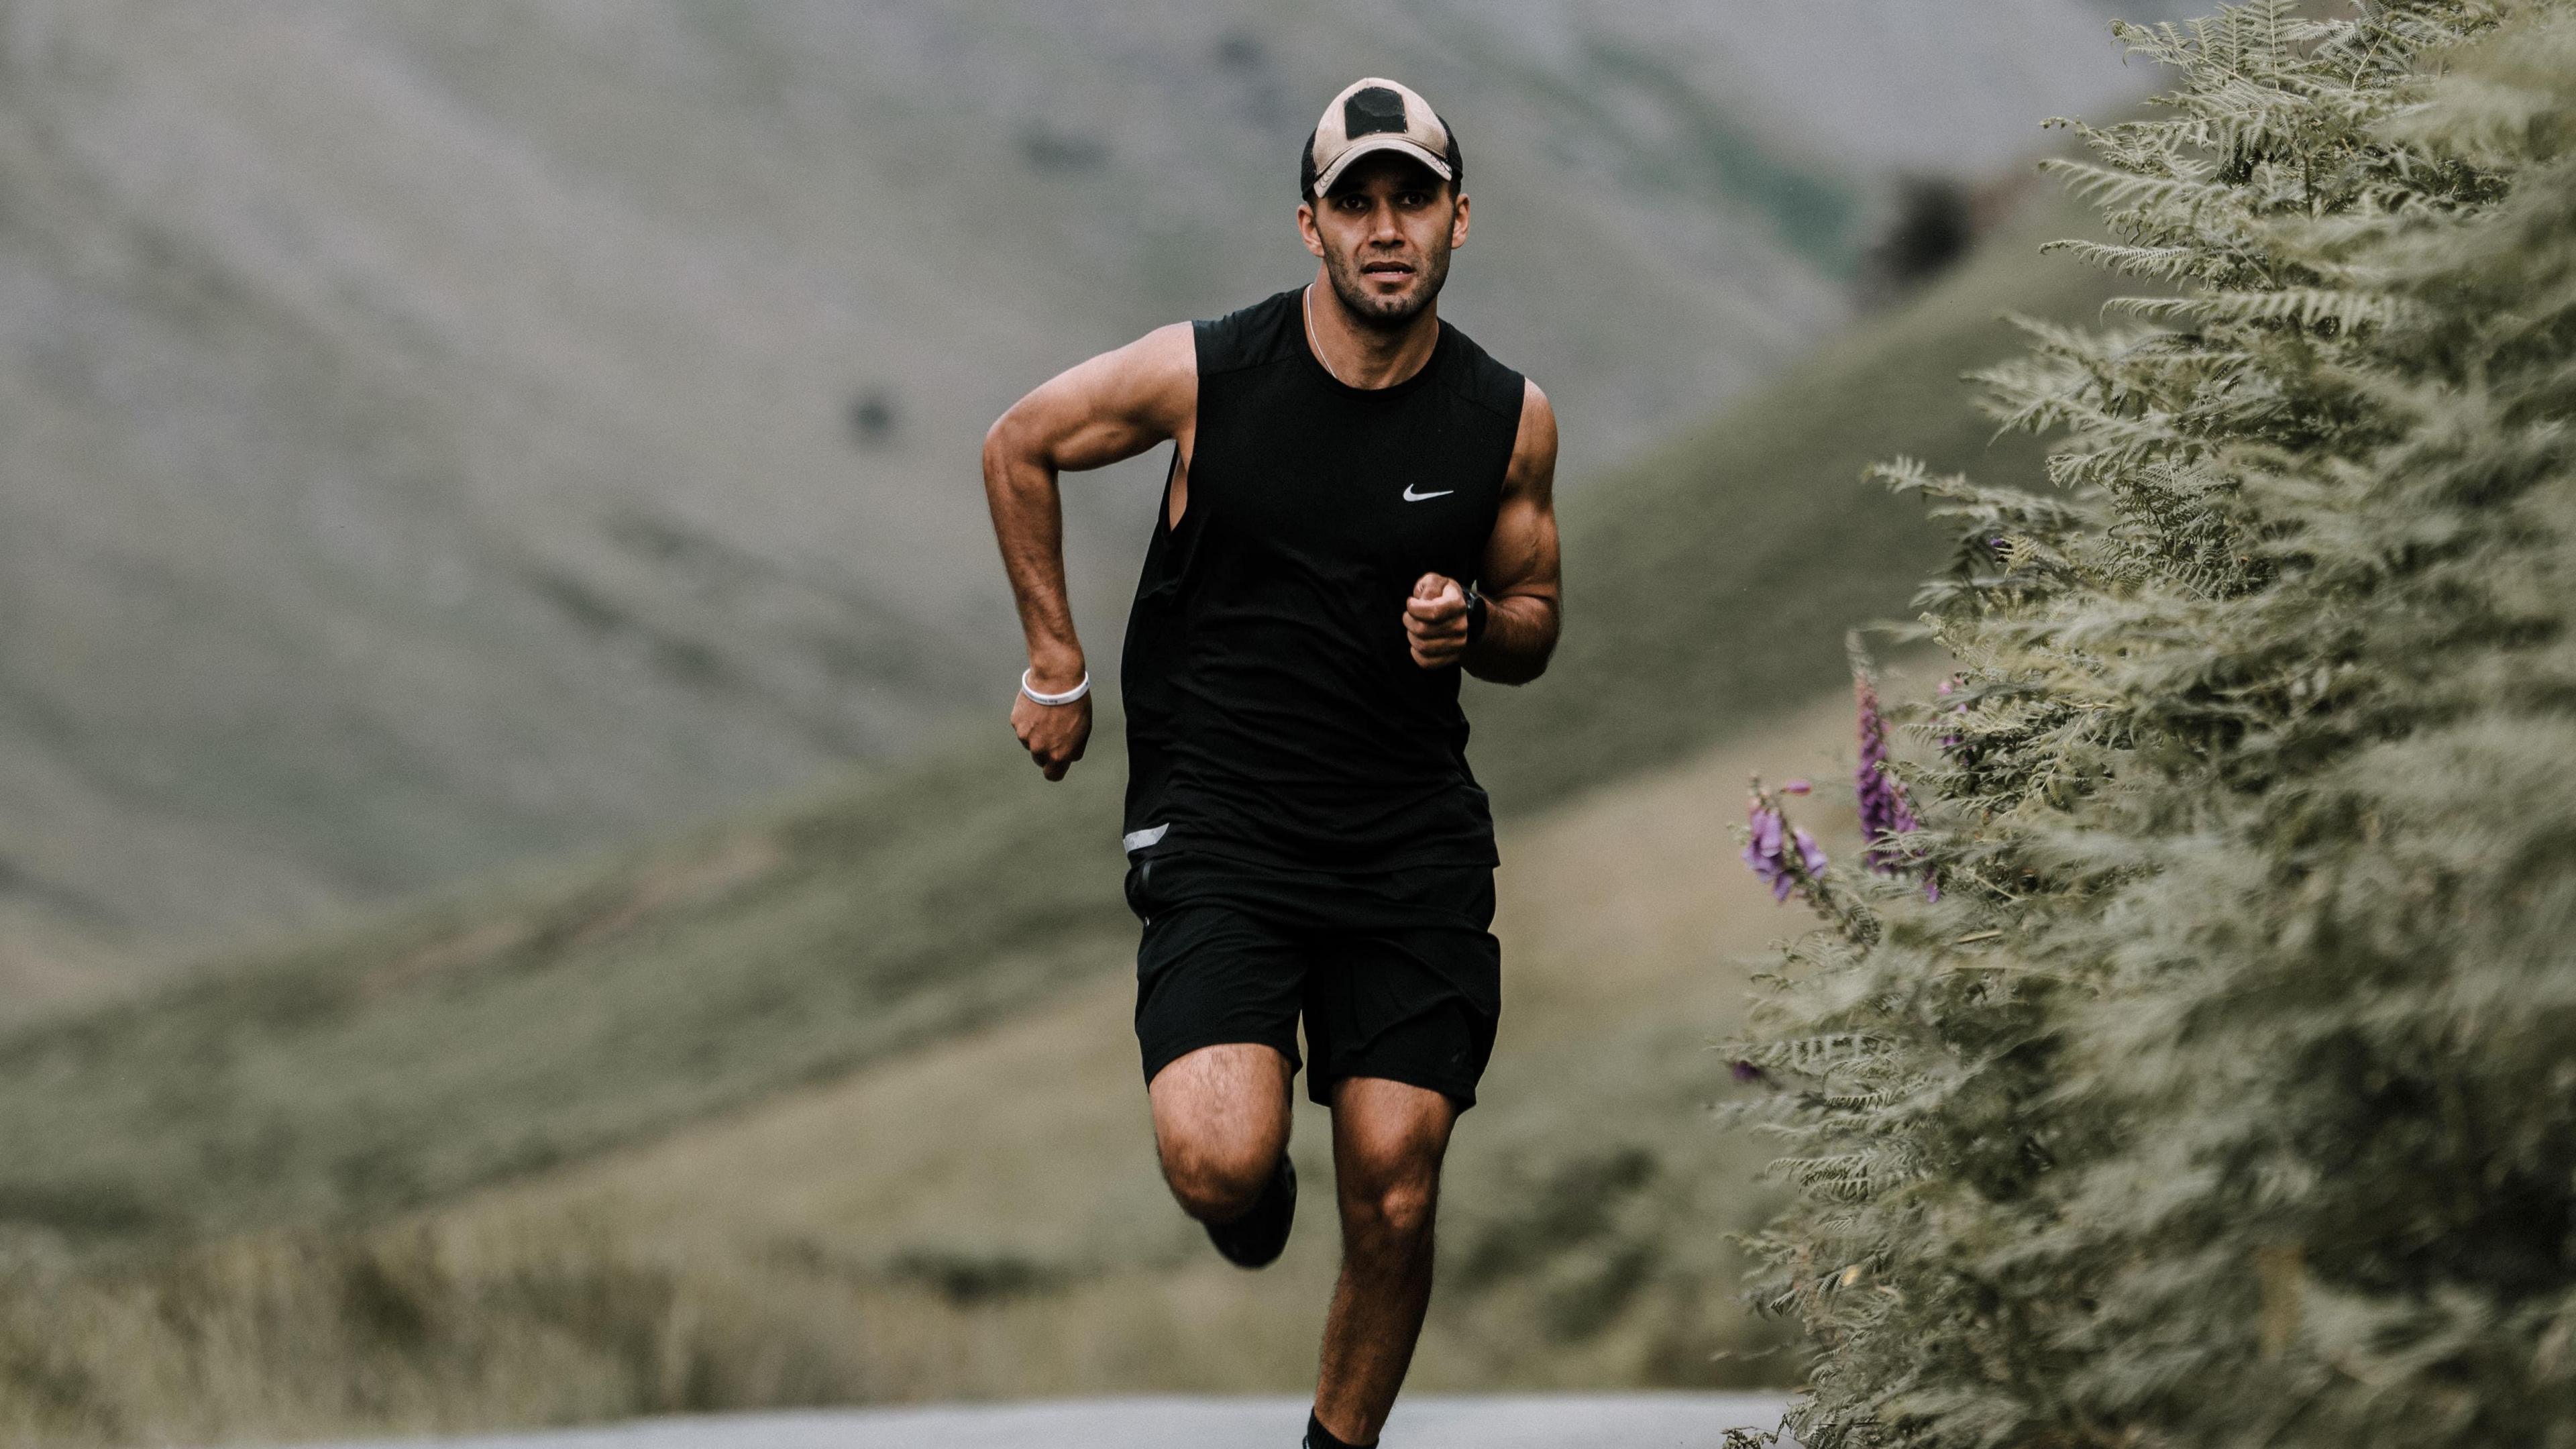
[[1255, 1239]]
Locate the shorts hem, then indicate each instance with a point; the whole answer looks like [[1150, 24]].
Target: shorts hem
[[1319, 1087], [1163, 1056]]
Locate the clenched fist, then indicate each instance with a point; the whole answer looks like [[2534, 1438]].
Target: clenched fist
[[1053, 734], [1435, 621]]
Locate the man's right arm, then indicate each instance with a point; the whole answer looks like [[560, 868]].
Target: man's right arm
[[1114, 406]]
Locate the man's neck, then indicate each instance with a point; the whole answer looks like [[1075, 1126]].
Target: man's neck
[[1364, 356]]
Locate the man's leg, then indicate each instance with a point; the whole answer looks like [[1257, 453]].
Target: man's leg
[[1388, 1139], [1220, 1124]]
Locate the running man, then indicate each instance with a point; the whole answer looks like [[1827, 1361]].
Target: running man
[[1359, 506]]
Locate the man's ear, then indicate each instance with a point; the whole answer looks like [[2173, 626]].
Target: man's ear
[[1458, 224], [1306, 228]]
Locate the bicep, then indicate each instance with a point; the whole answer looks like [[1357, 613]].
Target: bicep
[[1113, 406], [1521, 557]]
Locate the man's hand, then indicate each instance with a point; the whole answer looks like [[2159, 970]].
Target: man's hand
[[1435, 621], [1053, 734]]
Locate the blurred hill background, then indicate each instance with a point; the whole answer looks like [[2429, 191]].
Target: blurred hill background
[[450, 432], [504, 910]]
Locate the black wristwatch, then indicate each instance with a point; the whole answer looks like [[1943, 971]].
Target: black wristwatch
[[1477, 611]]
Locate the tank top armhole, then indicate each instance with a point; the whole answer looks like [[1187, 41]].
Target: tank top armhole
[[1245, 338], [1164, 523], [1482, 379]]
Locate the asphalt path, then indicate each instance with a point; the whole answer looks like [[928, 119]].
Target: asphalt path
[[1534, 1421]]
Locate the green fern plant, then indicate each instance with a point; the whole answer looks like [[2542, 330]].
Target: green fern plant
[[2227, 1095]]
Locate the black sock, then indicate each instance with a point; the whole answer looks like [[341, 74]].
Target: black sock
[[1319, 1437]]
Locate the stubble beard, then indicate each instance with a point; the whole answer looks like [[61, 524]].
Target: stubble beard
[[1386, 314]]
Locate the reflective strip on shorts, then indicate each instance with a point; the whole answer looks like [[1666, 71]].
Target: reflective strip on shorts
[[1136, 840]]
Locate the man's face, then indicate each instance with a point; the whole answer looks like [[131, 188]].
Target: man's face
[[1385, 234]]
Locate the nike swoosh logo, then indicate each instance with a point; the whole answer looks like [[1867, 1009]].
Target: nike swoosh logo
[[1412, 497]]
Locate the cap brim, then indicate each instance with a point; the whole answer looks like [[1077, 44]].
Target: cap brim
[[1371, 145]]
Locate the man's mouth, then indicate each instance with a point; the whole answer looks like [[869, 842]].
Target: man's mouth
[[1392, 271]]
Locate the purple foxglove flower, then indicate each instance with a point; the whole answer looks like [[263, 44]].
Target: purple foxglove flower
[[1762, 852], [1768, 852], [1884, 810]]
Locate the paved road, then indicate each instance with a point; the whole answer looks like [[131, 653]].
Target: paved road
[[1552, 1421]]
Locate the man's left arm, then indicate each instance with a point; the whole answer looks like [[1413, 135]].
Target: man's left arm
[[1519, 578]]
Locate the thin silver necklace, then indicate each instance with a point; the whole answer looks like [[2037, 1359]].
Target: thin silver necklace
[[1314, 340]]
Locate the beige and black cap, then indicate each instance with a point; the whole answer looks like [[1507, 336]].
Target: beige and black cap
[[1375, 114]]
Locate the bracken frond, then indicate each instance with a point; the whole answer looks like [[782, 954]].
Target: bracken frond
[[2221, 1097]]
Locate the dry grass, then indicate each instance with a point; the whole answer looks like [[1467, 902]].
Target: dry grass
[[417, 1329]]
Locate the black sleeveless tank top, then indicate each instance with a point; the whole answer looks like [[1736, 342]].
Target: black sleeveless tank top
[[1274, 712]]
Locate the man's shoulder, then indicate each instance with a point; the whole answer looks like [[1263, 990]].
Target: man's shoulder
[[1250, 336]]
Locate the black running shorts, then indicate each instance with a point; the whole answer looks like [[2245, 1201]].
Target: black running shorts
[[1396, 974]]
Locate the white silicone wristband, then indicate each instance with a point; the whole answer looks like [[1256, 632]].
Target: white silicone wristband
[[1068, 697]]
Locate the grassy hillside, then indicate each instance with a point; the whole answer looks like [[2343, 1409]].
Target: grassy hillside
[[445, 432], [512, 1028], [506, 1030]]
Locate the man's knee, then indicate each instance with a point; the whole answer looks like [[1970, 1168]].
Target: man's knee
[[1389, 1139], [1393, 1208], [1389, 1190], [1217, 1180]]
